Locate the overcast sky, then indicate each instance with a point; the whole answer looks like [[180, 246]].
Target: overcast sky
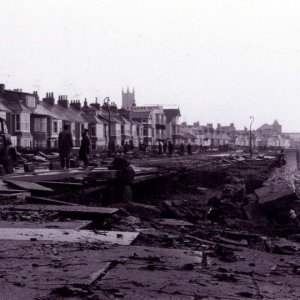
[[219, 61]]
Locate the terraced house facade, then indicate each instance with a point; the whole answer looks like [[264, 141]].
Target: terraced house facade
[[35, 123]]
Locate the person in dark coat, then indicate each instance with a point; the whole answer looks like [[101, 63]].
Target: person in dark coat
[[165, 147], [126, 147], [182, 150], [189, 148], [131, 145], [65, 145], [85, 148], [159, 148], [170, 148]]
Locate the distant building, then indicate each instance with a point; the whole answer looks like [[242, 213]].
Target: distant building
[[19, 107], [128, 99], [172, 127]]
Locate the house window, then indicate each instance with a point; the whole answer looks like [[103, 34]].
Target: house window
[[40, 125], [174, 129], [93, 131], [55, 127], [18, 122], [25, 142], [22, 122], [30, 101], [25, 122]]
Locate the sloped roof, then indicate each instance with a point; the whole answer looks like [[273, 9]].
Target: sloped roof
[[221, 136], [115, 119], [265, 126], [141, 114], [188, 135], [16, 107], [123, 120], [69, 114], [43, 111], [91, 119], [171, 113], [104, 119], [2, 106]]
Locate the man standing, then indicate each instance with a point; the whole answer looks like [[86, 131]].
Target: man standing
[[159, 148], [85, 147], [65, 145], [165, 148]]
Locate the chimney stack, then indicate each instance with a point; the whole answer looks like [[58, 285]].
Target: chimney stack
[[96, 104], [75, 104], [63, 101], [50, 100]]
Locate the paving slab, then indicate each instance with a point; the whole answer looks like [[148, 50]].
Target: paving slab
[[47, 201], [75, 224], [28, 186], [68, 235], [69, 210], [30, 269], [173, 222]]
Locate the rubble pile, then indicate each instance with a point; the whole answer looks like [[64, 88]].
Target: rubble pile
[[195, 228]]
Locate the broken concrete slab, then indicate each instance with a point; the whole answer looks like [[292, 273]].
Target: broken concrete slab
[[48, 175], [47, 201], [61, 184], [173, 222], [143, 210], [68, 235], [75, 224], [29, 186], [254, 213], [276, 196], [78, 211]]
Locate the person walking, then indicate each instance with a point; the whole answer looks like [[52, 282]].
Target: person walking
[[159, 148], [165, 147], [170, 148], [126, 147], [85, 147], [65, 145], [189, 149]]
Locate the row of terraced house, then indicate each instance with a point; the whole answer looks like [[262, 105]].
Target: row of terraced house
[[36, 123], [265, 136]]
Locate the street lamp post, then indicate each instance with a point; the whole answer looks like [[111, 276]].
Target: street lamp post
[[250, 139], [107, 104]]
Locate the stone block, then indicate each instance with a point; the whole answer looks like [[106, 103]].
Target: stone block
[[29, 167]]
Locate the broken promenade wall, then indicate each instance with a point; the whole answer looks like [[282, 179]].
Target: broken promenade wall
[[278, 194]]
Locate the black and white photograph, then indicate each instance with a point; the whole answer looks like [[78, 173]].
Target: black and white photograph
[[149, 149]]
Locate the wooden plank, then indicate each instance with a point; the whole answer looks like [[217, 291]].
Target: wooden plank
[[68, 235], [28, 186], [81, 211], [47, 201]]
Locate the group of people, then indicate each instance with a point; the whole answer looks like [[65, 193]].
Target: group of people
[[65, 146], [163, 148]]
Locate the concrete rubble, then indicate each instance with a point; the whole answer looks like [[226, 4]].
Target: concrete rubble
[[190, 227]]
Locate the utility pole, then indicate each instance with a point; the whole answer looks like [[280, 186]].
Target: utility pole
[[250, 139]]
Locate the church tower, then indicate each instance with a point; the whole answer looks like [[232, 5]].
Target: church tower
[[128, 99]]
